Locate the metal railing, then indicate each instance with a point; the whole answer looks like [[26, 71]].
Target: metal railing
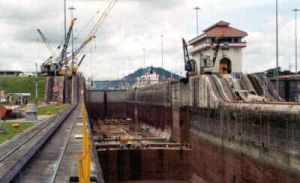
[[84, 158]]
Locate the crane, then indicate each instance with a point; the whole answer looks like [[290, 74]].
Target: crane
[[45, 67], [80, 61], [189, 64], [102, 18], [92, 34], [77, 52], [63, 61], [57, 64], [206, 63]]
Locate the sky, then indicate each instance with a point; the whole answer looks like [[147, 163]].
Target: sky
[[137, 25]]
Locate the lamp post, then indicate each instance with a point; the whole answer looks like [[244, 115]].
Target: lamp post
[[72, 41], [36, 83], [162, 50], [296, 40], [277, 71], [144, 50], [197, 9], [65, 19]]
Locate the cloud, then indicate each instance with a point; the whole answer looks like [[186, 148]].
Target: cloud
[[134, 25]]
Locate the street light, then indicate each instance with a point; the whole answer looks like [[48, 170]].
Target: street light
[[162, 50], [277, 71], [296, 40], [72, 42], [144, 50], [197, 9], [65, 19], [36, 83]]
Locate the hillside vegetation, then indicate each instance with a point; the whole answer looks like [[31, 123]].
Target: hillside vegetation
[[23, 85], [9, 132], [51, 109], [163, 73], [131, 78]]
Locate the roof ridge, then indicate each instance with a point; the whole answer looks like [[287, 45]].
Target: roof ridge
[[220, 23]]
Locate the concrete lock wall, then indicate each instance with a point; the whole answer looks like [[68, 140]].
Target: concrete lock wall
[[161, 108], [106, 103], [150, 107], [231, 141], [244, 146], [60, 89], [150, 164], [289, 89]]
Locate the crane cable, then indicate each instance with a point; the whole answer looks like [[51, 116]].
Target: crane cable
[[100, 21], [87, 24], [96, 27], [102, 18]]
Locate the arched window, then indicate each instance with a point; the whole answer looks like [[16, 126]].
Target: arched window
[[225, 66]]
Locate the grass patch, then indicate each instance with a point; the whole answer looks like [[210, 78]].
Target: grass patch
[[53, 109], [9, 132], [24, 85]]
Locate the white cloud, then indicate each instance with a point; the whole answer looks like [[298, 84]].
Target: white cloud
[[134, 25], [260, 53]]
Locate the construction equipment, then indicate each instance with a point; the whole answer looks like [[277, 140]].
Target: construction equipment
[[48, 44], [74, 65], [82, 58], [62, 66], [189, 64], [45, 67], [56, 64]]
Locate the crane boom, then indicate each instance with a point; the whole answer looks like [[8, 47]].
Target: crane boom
[[63, 56], [217, 48], [80, 49], [74, 65], [82, 58], [47, 44]]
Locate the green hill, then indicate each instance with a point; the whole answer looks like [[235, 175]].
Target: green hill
[[160, 71], [23, 85]]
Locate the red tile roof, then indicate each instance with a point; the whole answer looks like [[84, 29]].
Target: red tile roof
[[222, 29]]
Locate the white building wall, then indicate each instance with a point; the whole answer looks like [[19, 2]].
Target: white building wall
[[233, 54]]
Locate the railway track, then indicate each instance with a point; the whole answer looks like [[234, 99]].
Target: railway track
[[47, 152], [15, 154], [44, 167]]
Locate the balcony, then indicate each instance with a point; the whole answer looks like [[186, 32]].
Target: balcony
[[207, 45]]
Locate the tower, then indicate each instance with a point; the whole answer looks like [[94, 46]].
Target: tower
[[219, 47]]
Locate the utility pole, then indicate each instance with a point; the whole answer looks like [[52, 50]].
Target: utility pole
[[72, 41], [144, 58], [65, 25], [296, 40], [277, 64], [36, 83], [65, 20], [162, 50], [197, 9]]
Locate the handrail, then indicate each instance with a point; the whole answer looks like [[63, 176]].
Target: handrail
[[84, 158]]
